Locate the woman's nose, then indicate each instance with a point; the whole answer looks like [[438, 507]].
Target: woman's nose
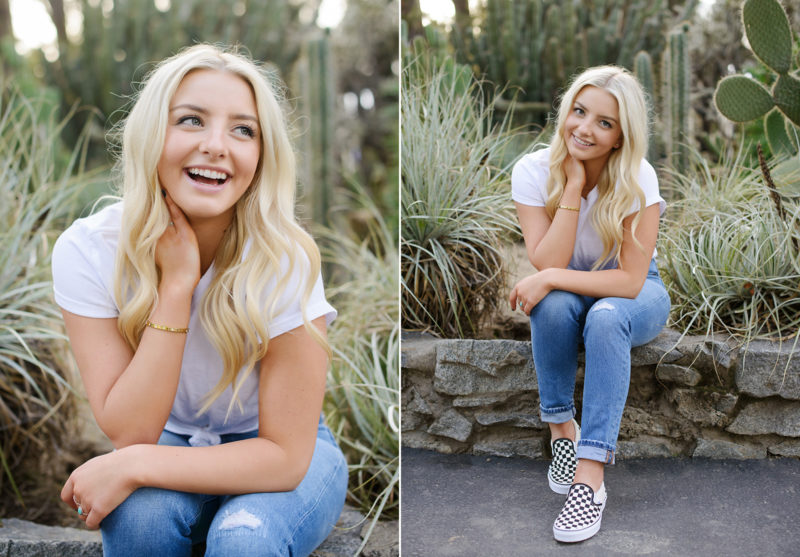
[[213, 142]]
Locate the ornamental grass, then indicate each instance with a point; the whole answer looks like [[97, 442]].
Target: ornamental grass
[[362, 402], [38, 187], [456, 210], [729, 256]]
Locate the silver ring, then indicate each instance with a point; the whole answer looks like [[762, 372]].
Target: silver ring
[[75, 501], [80, 510]]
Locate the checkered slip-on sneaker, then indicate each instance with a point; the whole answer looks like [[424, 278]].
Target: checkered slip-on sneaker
[[562, 468], [580, 518]]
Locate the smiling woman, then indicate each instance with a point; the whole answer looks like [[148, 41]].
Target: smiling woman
[[589, 206], [196, 313]]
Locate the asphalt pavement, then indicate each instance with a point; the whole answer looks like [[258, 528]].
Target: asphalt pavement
[[465, 506]]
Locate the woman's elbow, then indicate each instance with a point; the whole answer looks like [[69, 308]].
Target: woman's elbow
[[122, 437]]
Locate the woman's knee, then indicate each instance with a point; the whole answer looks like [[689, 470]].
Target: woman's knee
[[605, 318], [286, 523], [557, 306], [153, 520]]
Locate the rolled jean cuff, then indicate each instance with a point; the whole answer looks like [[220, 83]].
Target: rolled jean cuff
[[595, 450], [557, 415]]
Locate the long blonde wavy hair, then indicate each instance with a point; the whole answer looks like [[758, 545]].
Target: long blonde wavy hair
[[618, 185], [234, 312]]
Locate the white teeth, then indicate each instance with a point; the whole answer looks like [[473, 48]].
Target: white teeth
[[581, 142], [205, 173]]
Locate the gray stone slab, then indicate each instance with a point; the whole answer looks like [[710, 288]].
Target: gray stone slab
[[662, 350], [451, 424], [418, 353], [468, 367], [474, 506], [682, 375], [768, 416], [21, 538], [721, 448], [768, 368]]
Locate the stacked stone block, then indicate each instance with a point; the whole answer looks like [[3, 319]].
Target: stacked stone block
[[690, 396]]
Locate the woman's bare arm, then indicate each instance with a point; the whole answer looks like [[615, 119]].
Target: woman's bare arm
[[131, 394], [291, 389], [624, 282], [550, 243]]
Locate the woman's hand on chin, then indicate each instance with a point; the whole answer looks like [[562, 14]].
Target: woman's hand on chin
[[530, 291], [575, 172], [177, 251]]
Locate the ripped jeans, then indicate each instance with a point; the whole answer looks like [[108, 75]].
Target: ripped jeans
[[609, 327], [155, 522]]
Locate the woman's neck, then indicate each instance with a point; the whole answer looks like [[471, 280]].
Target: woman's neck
[[593, 169], [209, 233]]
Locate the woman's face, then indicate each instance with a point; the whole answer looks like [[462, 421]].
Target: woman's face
[[212, 144], [592, 128]]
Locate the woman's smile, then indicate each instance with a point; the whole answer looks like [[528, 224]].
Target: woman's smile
[[212, 145]]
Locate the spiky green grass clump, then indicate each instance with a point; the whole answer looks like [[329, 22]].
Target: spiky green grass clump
[[729, 257], [362, 402], [456, 211], [38, 185]]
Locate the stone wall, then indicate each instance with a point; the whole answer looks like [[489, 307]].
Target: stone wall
[[694, 397]]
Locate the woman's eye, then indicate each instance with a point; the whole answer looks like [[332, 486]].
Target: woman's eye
[[578, 111], [246, 131], [605, 123], [193, 120]]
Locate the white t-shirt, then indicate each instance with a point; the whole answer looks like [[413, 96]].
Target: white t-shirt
[[83, 281], [529, 187]]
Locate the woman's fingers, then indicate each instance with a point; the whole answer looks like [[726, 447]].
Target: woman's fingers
[[175, 213]]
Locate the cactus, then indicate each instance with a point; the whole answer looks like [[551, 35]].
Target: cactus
[[535, 45], [643, 69], [317, 90], [676, 80], [121, 41], [741, 99]]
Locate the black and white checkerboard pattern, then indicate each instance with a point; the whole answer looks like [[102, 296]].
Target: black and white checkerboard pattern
[[580, 511], [562, 468]]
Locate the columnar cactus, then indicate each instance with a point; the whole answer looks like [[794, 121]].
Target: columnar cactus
[[318, 95], [535, 45], [742, 99], [643, 69], [676, 79]]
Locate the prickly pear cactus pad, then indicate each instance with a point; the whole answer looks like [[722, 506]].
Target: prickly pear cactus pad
[[767, 30], [742, 99], [787, 96]]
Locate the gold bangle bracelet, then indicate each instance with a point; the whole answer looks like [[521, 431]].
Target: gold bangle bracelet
[[168, 329], [568, 208]]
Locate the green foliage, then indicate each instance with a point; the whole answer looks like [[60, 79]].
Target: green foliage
[[533, 46], [643, 69], [37, 411], [318, 85], [741, 100], [676, 80], [728, 258], [362, 402], [121, 42], [455, 210]]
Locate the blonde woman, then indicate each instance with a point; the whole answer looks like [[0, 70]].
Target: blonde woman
[[196, 314], [589, 207]]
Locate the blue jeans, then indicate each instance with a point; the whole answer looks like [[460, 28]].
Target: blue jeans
[[154, 522], [609, 328]]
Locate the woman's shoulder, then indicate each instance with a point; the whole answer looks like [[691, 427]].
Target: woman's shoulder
[[535, 160], [94, 237], [105, 223], [648, 180]]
